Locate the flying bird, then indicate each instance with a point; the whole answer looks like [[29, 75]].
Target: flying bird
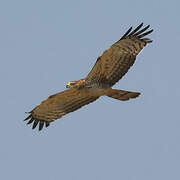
[[109, 68]]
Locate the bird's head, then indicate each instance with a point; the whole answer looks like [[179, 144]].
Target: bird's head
[[76, 84], [71, 84]]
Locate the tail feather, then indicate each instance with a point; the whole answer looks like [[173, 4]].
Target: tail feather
[[121, 94]]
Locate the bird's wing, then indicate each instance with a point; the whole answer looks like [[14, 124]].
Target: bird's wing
[[113, 64], [58, 105]]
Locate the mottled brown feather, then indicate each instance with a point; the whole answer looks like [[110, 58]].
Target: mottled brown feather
[[58, 105], [114, 63]]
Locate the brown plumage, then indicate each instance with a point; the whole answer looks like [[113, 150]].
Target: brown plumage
[[109, 68]]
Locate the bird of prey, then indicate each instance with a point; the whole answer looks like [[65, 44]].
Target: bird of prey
[[109, 68]]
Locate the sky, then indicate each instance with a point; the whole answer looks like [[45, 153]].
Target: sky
[[43, 45]]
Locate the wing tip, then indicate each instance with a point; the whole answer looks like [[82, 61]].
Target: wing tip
[[139, 32], [35, 121]]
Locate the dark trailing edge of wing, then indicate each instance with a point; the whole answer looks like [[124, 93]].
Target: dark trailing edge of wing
[[137, 33], [35, 122]]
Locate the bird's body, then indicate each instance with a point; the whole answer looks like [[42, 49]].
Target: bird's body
[[109, 68]]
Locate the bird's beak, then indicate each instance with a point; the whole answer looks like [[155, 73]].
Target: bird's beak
[[67, 86]]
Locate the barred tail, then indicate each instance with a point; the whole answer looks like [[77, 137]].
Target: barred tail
[[121, 94]]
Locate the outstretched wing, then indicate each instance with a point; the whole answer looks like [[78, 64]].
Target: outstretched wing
[[113, 64], [58, 105]]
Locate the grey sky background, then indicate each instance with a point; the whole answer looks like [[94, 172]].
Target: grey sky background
[[45, 44]]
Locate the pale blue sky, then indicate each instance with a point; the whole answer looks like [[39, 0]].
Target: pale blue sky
[[45, 44]]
